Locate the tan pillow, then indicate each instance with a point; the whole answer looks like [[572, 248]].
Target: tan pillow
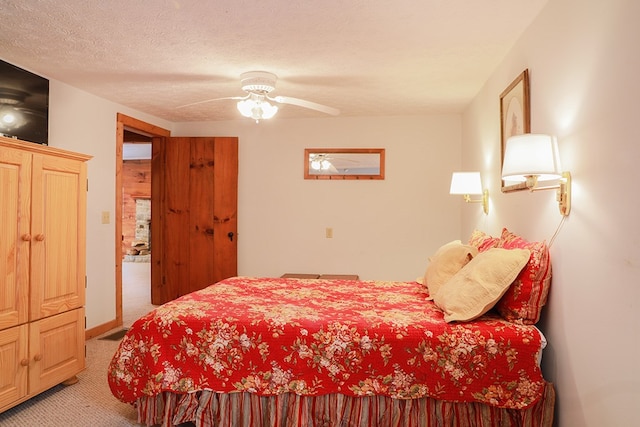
[[446, 262], [480, 284]]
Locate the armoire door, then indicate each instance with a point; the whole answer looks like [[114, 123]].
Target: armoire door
[[194, 198], [15, 237], [14, 345], [58, 244]]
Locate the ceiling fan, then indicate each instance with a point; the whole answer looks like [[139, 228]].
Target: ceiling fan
[[321, 163], [335, 163], [255, 104]]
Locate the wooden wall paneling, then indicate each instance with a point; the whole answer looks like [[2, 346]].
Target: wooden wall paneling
[[136, 183]]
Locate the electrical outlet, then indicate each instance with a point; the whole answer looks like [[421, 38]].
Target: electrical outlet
[[105, 217], [328, 233]]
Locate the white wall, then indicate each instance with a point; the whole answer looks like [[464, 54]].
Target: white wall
[[381, 229], [584, 62], [81, 122]]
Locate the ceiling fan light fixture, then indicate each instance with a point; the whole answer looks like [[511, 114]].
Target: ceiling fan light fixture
[[10, 118], [258, 82], [258, 85], [257, 109], [320, 163]]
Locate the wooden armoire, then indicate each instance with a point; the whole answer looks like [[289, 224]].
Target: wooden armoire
[[43, 194]]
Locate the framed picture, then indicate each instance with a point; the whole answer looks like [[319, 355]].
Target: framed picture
[[515, 119]]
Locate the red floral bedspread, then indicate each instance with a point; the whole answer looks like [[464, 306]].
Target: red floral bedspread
[[312, 337]]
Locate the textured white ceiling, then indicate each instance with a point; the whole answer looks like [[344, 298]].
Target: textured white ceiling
[[364, 57]]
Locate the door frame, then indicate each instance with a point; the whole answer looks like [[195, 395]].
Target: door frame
[[138, 126]]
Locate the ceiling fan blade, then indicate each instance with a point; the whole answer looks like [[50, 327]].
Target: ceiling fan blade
[[306, 104], [32, 111], [211, 100]]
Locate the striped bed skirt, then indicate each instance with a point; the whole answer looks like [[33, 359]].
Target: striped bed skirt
[[210, 409]]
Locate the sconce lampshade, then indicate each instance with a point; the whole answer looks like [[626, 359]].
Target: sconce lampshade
[[531, 155], [466, 183]]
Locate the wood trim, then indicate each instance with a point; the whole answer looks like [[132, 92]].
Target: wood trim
[[340, 277], [139, 125], [32, 147], [300, 276], [118, 219], [157, 215], [134, 124], [339, 176], [101, 329]]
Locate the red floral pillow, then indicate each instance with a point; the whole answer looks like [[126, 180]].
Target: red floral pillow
[[528, 293], [483, 241]]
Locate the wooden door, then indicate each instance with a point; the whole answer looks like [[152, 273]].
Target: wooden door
[[194, 186], [58, 216], [15, 223]]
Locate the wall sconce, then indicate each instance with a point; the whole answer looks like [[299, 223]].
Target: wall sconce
[[534, 158], [467, 184]]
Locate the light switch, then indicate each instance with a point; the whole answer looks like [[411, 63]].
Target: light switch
[[105, 217], [328, 233]]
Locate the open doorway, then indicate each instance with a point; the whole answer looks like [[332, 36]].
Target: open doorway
[[136, 226], [133, 240]]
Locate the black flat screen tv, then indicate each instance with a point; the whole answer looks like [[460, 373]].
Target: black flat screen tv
[[24, 104]]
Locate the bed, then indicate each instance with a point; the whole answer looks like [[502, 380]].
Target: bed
[[457, 347]]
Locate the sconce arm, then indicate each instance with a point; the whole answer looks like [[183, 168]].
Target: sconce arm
[[484, 200], [563, 193]]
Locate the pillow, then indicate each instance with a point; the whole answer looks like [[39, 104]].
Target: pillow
[[477, 287], [524, 300], [483, 241], [446, 262]]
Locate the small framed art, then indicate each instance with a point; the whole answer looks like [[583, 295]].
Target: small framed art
[[515, 119]]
